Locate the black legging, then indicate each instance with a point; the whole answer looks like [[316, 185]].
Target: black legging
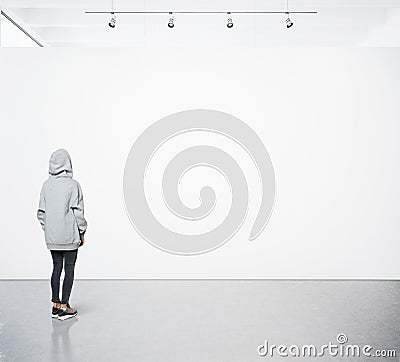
[[69, 258]]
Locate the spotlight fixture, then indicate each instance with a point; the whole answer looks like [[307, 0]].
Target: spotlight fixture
[[171, 20], [113, 20], [229, 23], [171, 23], [289, 23]]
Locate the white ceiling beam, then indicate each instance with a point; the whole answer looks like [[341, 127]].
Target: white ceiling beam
[[98, 34], [59, 17], [126, 5], [324, 37], [307, 33]]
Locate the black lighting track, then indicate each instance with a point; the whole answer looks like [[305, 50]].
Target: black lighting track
[[201, 12]]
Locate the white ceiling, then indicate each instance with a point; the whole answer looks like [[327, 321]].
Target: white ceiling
[[338, 23]]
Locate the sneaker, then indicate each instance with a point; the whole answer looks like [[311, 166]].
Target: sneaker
[[67, 313], [54, 312]]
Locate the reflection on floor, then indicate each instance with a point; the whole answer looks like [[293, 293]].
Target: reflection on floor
[[195, 320]]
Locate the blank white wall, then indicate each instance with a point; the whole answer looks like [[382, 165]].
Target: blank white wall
[[328, 117]]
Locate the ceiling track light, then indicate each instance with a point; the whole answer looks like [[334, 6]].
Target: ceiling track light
[[288, 22], [171, 20], [229, 23], [113, 21]]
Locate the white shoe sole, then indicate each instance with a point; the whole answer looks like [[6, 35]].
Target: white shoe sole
[[68, 316], [54, 315]]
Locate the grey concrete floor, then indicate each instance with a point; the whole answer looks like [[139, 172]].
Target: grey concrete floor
[[196, 320]]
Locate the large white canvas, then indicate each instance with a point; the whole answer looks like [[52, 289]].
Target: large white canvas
[[329, 119]]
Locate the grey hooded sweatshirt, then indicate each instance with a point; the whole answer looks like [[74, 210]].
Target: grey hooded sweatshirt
[[61, 211]]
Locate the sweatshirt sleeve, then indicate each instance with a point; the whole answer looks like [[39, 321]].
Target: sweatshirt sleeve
[[42, 209], [78, 209]]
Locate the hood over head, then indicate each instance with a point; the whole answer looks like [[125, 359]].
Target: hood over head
[[60, 161]]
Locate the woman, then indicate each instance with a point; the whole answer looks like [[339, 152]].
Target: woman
[[61, 214]]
